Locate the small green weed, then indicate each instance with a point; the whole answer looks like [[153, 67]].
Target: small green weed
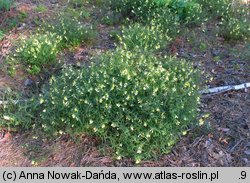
[[1, 35], [217, 59], [203, 47]]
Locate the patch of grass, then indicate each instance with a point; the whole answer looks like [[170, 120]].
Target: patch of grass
[[139, 10], [9, 66]]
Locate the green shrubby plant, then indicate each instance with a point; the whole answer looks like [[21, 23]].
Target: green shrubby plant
[[72, 31], [237, 26], [216, 8], [165, 20], [139, 103], [188, 11], [234, 18], [136, 101], [152, 12], [37, 51], [159, 13], [41, 49], [139, 10], [144, 38], [235, 29]]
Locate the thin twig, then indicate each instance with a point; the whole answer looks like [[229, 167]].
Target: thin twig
[[196, 142], [232, 149], [225, 88]]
